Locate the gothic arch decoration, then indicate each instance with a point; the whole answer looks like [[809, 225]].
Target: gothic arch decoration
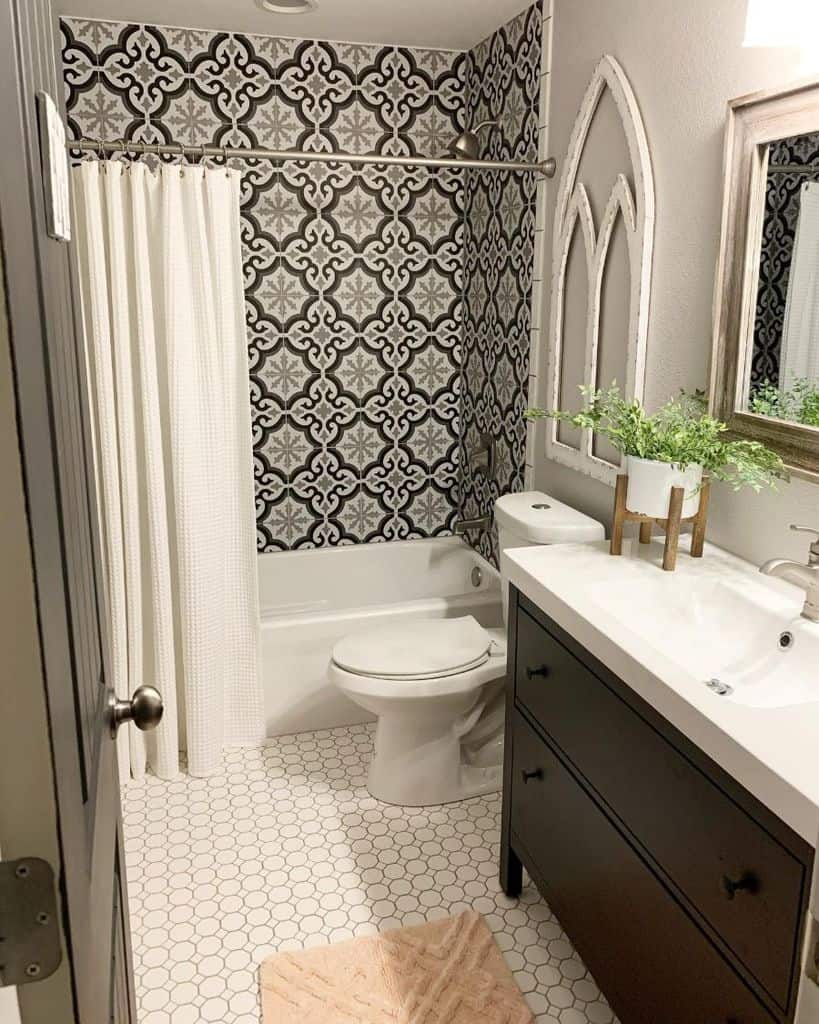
[[635, 205]]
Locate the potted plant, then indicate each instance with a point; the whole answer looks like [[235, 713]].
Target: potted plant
[[674, 447]]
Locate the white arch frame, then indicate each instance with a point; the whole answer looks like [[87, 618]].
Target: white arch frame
[[637, 211]]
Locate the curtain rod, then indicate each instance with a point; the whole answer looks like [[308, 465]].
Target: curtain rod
[[544, 167]]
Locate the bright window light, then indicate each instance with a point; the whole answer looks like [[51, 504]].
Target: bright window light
[[782, 23]]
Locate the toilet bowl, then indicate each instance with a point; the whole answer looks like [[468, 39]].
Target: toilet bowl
[[437, 685]]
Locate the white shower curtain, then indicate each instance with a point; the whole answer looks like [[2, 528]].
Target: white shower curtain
[[799, 357], [160, 266]]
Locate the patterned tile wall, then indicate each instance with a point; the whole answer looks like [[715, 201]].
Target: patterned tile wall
[[353, 277], [503, 81], [778, 237]]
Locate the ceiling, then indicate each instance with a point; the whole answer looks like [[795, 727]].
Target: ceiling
[[440, 24]]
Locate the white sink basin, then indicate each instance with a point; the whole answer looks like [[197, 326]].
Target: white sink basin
[[746, 641]]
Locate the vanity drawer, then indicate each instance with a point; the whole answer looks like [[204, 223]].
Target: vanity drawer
[[643, 949], [743, 881]]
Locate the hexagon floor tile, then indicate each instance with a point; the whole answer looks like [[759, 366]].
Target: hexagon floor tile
[[284, 849]]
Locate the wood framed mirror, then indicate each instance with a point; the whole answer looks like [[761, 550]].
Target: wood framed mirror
[[765, 364]]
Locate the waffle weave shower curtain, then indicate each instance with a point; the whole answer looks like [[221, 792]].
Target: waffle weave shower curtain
[[161, 283]]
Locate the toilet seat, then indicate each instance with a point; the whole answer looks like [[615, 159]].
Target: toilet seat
[[426, 649], [468, 678]]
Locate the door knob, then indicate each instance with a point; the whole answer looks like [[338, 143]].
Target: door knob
[[144, 709]]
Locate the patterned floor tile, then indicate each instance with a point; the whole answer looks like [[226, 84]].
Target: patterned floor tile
[[284, 849]]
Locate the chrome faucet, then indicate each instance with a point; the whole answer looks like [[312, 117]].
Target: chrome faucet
[[463, 526], [804, 576]]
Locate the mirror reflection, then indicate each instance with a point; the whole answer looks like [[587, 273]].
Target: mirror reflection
[[783, 371]]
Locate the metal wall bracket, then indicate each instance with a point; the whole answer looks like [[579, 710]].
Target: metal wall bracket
[[29, 930]]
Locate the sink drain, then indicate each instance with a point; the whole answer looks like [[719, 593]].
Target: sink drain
[[721, 689]]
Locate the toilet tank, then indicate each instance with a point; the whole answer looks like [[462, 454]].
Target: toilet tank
[[531, 517]]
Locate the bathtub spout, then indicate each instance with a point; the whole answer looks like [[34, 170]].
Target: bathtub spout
[[464, 526]]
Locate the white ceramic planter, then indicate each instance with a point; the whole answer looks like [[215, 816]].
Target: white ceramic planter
[[650, 483]]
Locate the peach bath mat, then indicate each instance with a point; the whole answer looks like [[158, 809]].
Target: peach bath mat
[[443, 972]]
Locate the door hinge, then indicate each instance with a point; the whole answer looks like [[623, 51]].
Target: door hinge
[[29, 930]]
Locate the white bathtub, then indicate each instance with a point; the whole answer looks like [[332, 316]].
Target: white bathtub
[[310, 599]]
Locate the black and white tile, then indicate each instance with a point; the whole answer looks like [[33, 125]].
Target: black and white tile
[[353, 277], [388, 309], [284, 849], [503, 82]]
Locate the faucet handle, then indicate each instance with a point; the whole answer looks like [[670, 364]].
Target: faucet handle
[[814, 547]]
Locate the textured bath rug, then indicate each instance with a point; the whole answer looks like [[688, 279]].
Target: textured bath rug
[[442, 972]]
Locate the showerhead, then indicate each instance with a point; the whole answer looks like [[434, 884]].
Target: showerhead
[[467, 145]]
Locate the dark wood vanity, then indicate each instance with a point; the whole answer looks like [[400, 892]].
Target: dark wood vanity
[[684, 896]]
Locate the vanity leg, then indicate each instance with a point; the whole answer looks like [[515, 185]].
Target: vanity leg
[[511, 872], [645, 532]]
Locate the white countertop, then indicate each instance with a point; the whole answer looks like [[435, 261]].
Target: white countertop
[[772, 751]]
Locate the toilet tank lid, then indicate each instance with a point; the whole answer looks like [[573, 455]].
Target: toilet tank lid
[[542, 519]]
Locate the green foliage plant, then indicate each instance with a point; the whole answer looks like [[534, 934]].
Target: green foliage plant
[[681, 433]]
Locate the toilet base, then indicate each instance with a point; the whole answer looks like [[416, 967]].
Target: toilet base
[[423, 763]]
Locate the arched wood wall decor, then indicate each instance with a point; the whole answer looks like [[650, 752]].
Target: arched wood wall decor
[[636, 207]]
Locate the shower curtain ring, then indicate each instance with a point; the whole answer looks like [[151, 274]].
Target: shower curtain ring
[[225, 158], [130, 154], [182, 160]]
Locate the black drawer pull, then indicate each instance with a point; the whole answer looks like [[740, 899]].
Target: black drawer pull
[[538, 670], [747, 882], [537, 773]]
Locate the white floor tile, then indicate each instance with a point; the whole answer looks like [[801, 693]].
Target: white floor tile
[[285, 849]]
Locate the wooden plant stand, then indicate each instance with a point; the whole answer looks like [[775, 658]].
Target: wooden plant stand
[[671, 524]]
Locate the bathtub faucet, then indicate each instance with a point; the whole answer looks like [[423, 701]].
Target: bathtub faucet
[[463, 526]]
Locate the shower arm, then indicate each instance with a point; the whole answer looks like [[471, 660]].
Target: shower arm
[[545, 167]]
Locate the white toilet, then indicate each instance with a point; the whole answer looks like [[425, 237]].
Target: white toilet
[[437, 685]]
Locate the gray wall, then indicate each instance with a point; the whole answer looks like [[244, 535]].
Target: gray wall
[[684, 62]]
